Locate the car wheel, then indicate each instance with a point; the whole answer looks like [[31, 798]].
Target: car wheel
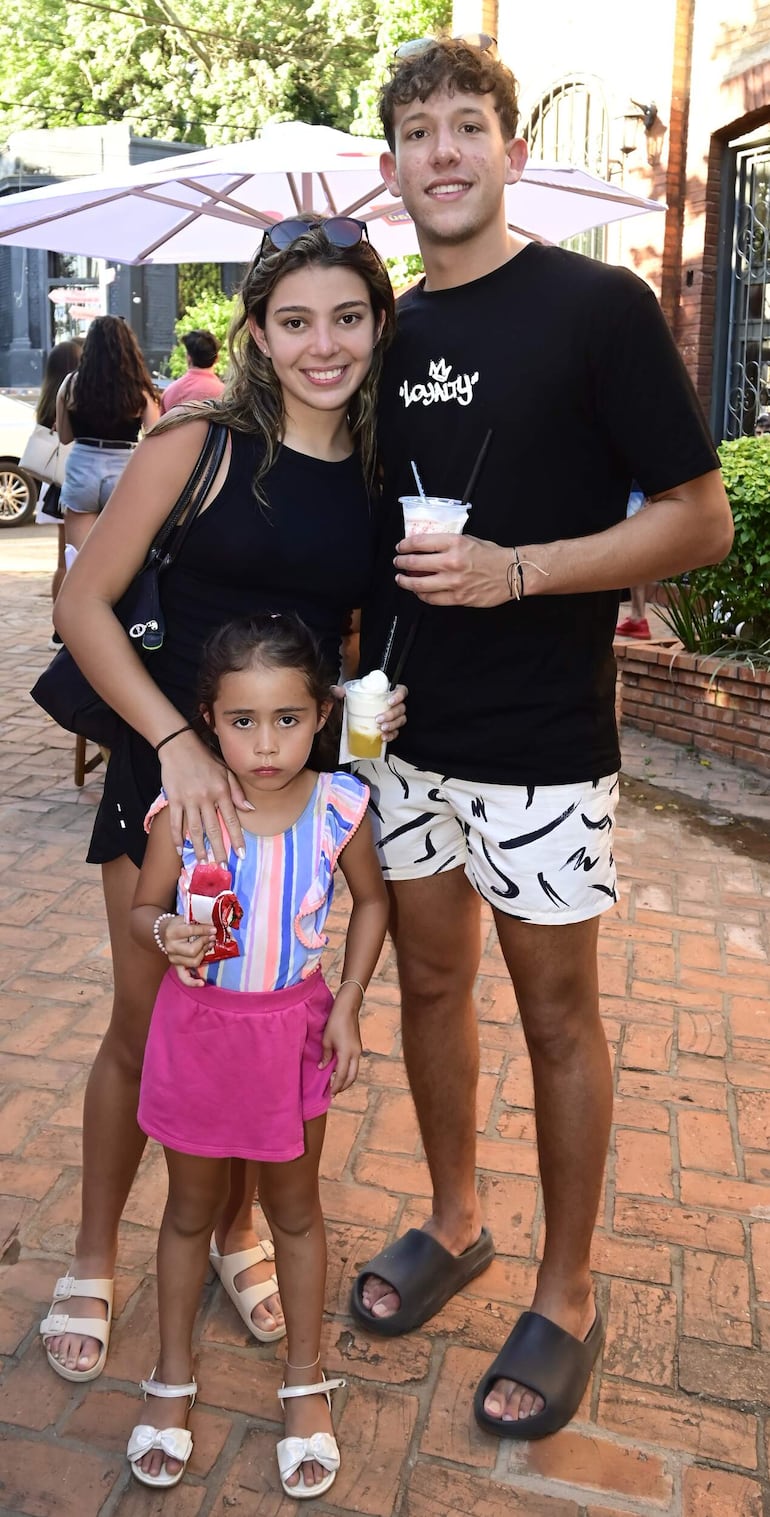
[[18, 495]]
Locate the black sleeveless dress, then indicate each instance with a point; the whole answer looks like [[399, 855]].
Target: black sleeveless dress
[[310, 551]]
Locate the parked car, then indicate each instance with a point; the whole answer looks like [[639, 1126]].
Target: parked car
[[18, 490]]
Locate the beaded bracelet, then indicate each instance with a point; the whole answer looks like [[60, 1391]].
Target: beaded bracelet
[[353, 982], [155, 932]]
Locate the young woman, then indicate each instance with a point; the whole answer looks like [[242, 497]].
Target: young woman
[[102, 408], [287, 526], [245, 1053]]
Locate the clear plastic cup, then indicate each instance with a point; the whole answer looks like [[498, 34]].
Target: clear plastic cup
[[362, 707], [432, 513]]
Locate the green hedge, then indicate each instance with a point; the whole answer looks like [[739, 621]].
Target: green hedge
[[726, 607]]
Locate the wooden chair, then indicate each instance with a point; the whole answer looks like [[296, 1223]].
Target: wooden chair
[[83, 765]]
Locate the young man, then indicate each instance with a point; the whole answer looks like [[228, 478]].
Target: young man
[[199, 382], [504, 783]]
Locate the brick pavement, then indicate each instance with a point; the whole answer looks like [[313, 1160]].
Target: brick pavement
[[676, 1419]]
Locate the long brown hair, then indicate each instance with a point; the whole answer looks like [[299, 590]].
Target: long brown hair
[[253, 400], [63, 358], [113, 380]]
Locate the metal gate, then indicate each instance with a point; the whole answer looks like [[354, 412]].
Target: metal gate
[[747, 387]]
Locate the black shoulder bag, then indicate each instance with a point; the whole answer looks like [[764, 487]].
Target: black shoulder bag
[[62, 689]]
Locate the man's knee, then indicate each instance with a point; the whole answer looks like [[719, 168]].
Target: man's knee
[[558, 1024], [435, 925]]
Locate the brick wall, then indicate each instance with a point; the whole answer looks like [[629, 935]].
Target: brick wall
[[720, 708]]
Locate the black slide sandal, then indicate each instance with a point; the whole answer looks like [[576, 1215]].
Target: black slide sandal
[[424, 1274], [550, 1362]]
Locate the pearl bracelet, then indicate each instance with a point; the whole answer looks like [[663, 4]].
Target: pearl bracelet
[[156, 924]]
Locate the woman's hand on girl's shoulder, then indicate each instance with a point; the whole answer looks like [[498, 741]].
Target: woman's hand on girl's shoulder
[[200, 790]]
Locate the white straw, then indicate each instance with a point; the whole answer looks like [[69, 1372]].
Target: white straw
[[417, 480]]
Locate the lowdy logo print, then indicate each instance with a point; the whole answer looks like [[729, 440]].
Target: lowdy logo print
[[439, 386]]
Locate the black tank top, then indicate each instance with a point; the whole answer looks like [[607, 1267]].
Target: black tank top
[[308, 551]]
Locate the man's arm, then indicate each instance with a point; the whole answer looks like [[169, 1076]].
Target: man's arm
[[687, 527]]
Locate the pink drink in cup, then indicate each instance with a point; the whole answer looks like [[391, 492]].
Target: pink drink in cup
[[432, 513]]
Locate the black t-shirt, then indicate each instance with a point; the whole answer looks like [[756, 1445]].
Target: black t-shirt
[[572, 366]]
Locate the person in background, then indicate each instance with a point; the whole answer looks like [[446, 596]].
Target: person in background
[[62, 360], [200, 382], [102, 408], [636, 625], [762, 424]]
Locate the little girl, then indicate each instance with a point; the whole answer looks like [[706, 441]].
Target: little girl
[[244, 1054]]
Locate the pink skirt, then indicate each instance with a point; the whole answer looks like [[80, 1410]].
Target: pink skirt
[[232, 1074]]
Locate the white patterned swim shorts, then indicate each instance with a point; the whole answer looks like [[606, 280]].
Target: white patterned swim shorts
[[540, 853]]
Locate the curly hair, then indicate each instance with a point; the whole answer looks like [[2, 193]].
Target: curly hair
[[449, 64], [253, 399], [113, 380]]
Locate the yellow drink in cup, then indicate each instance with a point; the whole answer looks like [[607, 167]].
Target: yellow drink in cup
[[365, 700], [363, 746]]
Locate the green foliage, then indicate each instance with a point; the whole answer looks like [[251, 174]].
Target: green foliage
[[726, 607], [211, 313], [209, 71], [404, 271], [197, 281], [399, 21]]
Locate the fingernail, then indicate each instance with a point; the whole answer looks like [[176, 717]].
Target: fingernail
[[247, 806], [241, 852], [179, 849]]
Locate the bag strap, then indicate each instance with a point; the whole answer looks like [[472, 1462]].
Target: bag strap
[[191, 498]]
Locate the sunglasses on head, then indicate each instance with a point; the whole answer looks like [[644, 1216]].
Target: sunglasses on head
[[340, 231], [480, 40]]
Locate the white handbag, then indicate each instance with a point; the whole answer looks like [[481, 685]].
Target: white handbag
[[45, 456]]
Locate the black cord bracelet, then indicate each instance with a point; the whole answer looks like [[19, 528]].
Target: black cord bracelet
[[178, 733]]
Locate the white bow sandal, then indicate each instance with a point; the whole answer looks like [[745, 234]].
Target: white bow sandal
[[321, 1447], [229, 1266], [173, 1442], [58, 1322]]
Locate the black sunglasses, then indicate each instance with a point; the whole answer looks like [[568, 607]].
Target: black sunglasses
[[480, 40], [340, 231]]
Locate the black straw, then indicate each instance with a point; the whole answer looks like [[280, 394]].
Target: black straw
[[420, 612], [477, 467]]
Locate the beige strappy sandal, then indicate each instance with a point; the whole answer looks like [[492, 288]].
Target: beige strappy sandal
[[228, 1266], [57, 1323], [173, 1442], [292, 1453]]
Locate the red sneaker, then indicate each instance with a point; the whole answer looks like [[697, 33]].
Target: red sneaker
[[630, 627]]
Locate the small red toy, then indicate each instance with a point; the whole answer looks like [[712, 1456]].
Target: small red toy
[[210, 899]]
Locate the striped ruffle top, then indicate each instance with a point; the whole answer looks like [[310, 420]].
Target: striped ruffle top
[[285, 887]]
